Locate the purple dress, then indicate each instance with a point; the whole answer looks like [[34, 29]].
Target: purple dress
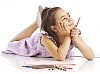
[[31, 46]]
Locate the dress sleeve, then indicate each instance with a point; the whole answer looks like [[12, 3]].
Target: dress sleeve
[[51, 38]]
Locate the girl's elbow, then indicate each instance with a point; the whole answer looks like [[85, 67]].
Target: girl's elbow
[[61, 58], [90, 58]]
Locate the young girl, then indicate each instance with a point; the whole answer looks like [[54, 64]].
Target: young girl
[[57, 37]]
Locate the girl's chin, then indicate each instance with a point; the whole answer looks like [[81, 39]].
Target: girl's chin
[[71, 28]]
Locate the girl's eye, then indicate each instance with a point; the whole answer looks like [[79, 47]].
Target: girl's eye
[[68, 14], [64, 18]]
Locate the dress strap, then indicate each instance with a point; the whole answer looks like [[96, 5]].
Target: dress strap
[[45, 33]]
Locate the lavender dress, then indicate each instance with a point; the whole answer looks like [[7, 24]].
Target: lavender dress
[[31, 46]]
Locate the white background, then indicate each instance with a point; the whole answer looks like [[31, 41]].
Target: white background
[[15, 15]]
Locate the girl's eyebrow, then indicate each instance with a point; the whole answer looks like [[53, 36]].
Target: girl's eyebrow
[[64, 15], [67, 13]]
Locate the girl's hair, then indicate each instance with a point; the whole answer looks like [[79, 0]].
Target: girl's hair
[[48, 19]]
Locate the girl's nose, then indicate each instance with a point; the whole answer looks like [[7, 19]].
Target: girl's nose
[[69, 20]]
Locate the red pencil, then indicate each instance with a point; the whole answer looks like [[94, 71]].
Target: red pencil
[[78, 22], [76, 25]]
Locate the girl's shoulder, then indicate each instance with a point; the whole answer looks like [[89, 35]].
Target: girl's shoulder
[[45, 37]]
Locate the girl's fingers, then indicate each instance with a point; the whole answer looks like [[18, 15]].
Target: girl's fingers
[[77, 31], [66, 28], [74, 33], [58, 26], [62, 28], [57, 23], [75, 28], [62, 25]]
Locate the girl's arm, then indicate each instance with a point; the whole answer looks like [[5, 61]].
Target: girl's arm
[[85, 50], [26, 32], [58, 53]]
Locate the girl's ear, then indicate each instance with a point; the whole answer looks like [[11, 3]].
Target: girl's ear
[[54, 28]]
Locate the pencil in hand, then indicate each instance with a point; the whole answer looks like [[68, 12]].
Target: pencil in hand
[[78, 21]]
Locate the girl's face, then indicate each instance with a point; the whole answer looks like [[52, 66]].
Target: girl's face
[[62, 15]]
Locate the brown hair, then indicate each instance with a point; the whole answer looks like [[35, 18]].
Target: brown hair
[[48, 19]]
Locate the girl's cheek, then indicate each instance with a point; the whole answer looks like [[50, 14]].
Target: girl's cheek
[[71, 27], [64, 22]]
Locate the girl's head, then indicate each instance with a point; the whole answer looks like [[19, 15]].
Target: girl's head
[[49, 18]]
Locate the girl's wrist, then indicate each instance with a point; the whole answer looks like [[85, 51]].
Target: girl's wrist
[[68, 37], [79, 41]]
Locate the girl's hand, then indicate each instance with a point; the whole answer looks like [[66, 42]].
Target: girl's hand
[[62, 29], [75, 34]]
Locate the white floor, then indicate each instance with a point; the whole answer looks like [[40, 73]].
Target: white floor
[[12, 64]]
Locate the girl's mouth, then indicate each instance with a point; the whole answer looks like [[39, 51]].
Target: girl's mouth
[[69, 24]]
